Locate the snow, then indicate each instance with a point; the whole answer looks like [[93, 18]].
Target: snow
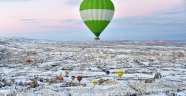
[[7, 93], [160, 94], [140, 61], [181, 93]]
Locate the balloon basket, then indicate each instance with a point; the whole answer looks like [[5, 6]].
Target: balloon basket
[[97, 38]]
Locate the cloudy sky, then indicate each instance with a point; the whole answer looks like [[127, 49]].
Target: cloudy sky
[[60, 20]]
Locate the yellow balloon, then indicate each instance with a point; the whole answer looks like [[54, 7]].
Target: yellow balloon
[[120, 73], [94, 82]]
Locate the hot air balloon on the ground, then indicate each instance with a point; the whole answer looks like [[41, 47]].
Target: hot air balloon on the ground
[[59, 78], [97, 14], [79, 78], [94, 82], [120, 73], [107, 72], [66, 73], [73, 77]]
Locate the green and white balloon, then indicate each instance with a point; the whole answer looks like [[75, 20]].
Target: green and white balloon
[[97, 14]]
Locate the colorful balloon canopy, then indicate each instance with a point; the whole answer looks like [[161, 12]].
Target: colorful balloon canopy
[[97, 14], [94, 82], [120, 73]]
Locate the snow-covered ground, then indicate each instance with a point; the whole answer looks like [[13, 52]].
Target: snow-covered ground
[[34, 68]]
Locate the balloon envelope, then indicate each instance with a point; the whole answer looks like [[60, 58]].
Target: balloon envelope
[[79, 78], [120, 73], [94, 82], [97, 14], [107, 72]]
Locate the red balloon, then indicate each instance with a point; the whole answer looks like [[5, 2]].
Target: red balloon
[[79, 78]]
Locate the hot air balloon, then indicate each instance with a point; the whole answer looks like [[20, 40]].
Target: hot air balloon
[[79, 78], [73, 77], [97, 14], [120, 73], [59, 78], [66, 73], [94, 82], [107, 72]]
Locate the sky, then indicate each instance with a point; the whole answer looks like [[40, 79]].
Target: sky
[[60, 20]]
